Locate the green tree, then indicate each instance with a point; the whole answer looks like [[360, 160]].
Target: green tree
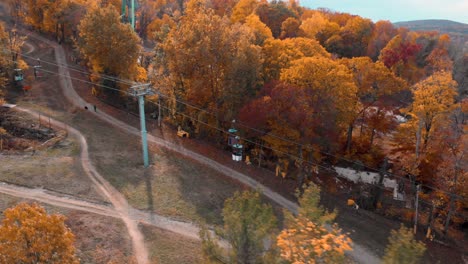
[[29, 235], [248, 223], [403, 248], [309, 206]]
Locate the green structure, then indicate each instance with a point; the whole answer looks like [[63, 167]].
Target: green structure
[[131, 18], [234, 142], [140, 91]]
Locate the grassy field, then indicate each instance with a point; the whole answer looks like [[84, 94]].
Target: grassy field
[[173, 185], [167, 247], [56, 168]]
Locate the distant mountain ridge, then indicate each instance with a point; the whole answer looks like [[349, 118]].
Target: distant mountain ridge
[[441, 25]]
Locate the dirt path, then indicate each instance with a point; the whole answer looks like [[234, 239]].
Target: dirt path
[[359, 253], [59, 200], [118, 201]]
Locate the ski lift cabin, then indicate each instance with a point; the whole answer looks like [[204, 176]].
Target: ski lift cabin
[[234, 142], [18, 75], [237, 152], [232, 137]]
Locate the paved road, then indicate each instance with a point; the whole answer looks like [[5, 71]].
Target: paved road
[[360, 254]]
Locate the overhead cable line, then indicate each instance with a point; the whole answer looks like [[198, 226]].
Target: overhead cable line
[[118, 80]]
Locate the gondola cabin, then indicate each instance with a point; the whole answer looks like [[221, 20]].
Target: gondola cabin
[[18, 75], [232, 138], [237, 152]]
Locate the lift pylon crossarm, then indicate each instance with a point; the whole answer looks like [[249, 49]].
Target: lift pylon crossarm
[[141, 89]]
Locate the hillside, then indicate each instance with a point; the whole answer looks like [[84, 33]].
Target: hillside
[[443, 26], [458, 33]]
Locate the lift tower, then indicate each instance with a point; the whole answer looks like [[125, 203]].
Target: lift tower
[[125, 4], [140, 91]]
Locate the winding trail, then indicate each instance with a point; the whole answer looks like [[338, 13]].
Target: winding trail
[[70, 202], [115, 197], [359, 253]]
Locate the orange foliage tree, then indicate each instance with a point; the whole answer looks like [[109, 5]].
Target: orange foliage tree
[[212, 63], [29, 235], [104, 45]]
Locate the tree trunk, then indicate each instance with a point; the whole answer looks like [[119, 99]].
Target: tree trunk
[[62, 29], [260, 154], [243, 257], [418, 139], [430, 222], [452, 198], [372, 137], [57, 32], [159, 112], [380, 186], [349, 138]]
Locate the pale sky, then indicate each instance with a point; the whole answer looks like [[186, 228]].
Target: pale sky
[[397, 10]]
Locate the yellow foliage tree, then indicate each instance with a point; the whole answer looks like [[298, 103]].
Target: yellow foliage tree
[[314, 24], [4, 60], [261, 31], [306, 239], [328, 81], [434, 99], [309, 243], [279, 54], [29, 235], [243, 9]]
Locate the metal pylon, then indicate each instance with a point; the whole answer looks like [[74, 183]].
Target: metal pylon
[[140, 91], [131, 11]]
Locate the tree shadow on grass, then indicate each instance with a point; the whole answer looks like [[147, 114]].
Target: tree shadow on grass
[[149, 189]]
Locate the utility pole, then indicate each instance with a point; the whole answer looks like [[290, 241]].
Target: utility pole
[[416, 209], [140, 91], [379, 188], [159, 111]]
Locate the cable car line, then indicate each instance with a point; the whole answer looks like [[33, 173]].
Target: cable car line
[[118, 80]]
